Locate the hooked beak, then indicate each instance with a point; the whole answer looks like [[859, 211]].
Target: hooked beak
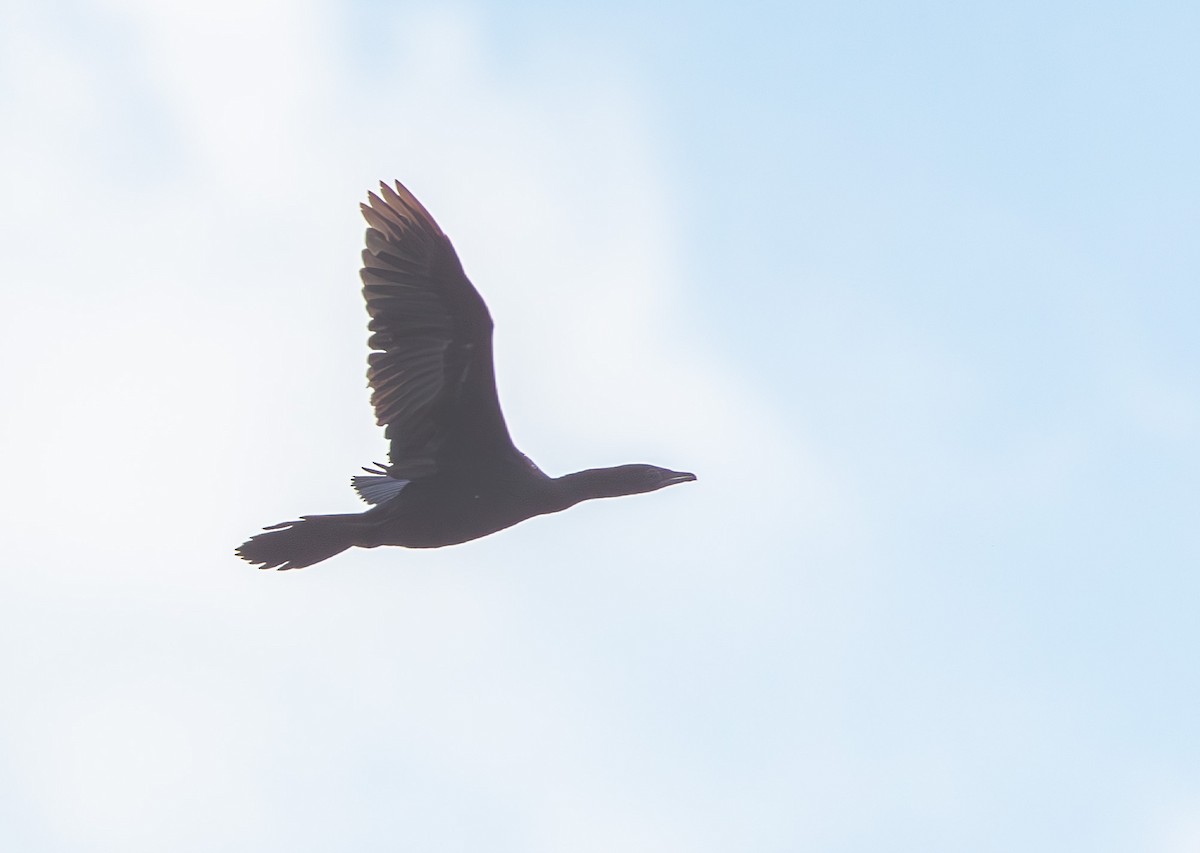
[[674, 477]]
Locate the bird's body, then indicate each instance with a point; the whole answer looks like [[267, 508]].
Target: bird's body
[[458, 506], [454, 473]]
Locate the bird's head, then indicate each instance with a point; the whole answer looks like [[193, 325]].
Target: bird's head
[[649, 478], [622, 480]]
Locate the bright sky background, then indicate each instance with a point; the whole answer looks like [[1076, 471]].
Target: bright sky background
[[913, 287]]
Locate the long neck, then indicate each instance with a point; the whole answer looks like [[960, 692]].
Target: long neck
[[570, 489]]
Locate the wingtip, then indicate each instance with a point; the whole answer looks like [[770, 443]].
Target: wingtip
[[400, 200]]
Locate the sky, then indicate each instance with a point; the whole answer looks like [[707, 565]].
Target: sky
[[911, 287]]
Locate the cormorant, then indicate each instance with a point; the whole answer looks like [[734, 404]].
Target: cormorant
[[454, 473]]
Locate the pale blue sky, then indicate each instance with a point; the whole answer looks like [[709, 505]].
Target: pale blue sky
[[911, 286]]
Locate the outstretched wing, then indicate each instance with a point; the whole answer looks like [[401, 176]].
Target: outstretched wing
[[434, 388]]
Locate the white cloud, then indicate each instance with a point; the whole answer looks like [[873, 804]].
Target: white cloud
[[188, 347]]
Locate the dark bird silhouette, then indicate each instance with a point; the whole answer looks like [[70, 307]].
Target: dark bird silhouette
[[454, 473]]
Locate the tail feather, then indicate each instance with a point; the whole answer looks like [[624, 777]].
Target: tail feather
[[296, 544]]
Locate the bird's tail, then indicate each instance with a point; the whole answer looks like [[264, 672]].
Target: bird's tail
[[296, 544]]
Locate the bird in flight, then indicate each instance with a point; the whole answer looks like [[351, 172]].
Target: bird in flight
[[453, 473]]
